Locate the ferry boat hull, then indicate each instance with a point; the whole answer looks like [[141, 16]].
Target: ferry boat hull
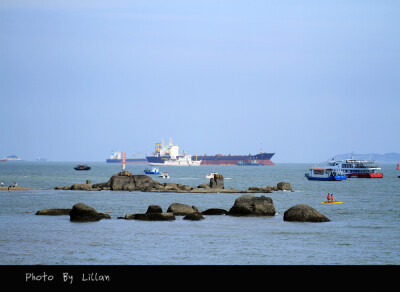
[[365, 175], [330, 178], [325, 174]]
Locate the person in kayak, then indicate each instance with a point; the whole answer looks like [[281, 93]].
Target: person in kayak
[[328, 198]]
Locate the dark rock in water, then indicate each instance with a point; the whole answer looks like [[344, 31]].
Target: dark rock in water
[[53, 212], [104, 185], [122, 183], [194, 216], [155, 216], [125, 181], [181, 209], [284, 186], [304, 213], [248, 205], [217, 182], [214, 211], [154, 209], [83, 213], [81, 187]]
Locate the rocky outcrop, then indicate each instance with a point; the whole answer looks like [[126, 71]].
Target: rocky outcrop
[[154, 213], [53, 212], [194, 216], [304, 213], [81, 187], [214, 211], [284, 186], [181, 209], [248, 205], [83, 213], [126, 181], [155, 217], [217, 182]]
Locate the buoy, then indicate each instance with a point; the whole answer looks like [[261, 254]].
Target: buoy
[[398, 166]]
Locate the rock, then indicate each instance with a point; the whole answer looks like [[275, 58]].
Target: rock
[[53, 212], [204, 186], [83, 213], [256, 189], [104, 216], [304, 213], [118, 182], [105, 185], [194, 216], [217, 182], [154, 209], [155, 216], [181, 209], [81, 187], [214, 211], [248, 205], [124, 173], [284, 186]]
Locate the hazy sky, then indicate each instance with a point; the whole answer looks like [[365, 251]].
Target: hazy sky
[[304, 79]]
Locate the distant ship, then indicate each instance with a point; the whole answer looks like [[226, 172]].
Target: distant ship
[[11, 158], [41, 159], [162, 154], [116, 157], [169, 155]]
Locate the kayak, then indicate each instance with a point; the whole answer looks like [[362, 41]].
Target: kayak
[[332, 202]]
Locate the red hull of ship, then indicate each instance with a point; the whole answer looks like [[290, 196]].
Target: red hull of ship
[[366, 175], [231, 162]]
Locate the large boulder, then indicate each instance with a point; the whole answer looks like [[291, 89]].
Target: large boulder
[[194, 216], [248, 205], [181, 209], [83, 213], [304, 213], [144, 182], [284, 186], [119, 183], [217, 182]]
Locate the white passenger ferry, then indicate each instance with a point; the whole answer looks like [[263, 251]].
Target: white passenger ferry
[[357, 168]]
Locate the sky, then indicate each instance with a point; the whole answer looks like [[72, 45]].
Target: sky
[[305, 80]]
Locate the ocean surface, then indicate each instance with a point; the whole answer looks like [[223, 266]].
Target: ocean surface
[[364, 229]]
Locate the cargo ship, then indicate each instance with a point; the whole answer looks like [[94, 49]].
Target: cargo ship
[[116, 157], [163, 154]]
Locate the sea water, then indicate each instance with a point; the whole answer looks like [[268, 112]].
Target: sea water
[[363, 230]]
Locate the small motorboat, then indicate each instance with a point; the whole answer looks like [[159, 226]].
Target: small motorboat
[[327, 174], [82, 167], [154, 170], [164, 175]]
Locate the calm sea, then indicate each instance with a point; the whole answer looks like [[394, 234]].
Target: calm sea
[[364, 229]]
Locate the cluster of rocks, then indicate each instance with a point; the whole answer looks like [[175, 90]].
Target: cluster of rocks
[[126, 181], [245, 205]]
